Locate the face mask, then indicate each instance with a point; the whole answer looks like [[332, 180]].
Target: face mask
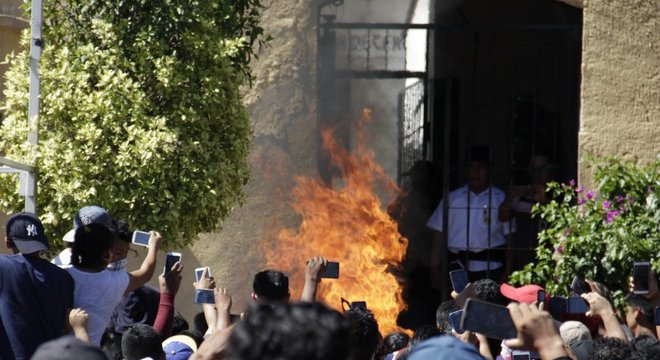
[[118, 265]]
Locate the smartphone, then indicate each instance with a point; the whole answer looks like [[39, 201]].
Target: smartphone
[[455, 319], [641, 270], [359, 304], [200, 270], [521, 355], [459, 280], [657, 316], [170, 260], [557, 307], [540, 297], [579, 286], [141, 238], [492, 320], [331, 270], [204, 296], [576, 305]]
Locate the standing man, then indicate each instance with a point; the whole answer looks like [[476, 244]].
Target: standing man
[[475, 236], [35, 295]]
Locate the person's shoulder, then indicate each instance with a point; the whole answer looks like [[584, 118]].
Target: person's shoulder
[[497, 191]]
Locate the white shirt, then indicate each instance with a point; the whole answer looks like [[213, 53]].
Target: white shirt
[[63, 259], [99, 294], [473, 234]]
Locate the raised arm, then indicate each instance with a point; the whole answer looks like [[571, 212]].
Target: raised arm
[[599, 306], [78, 319], [312, 271], [169, 285], [142, 275]]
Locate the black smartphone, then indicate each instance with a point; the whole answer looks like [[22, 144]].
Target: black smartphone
[[540, 297], [170, 260], [521, 355], [359, 304], [579, 286], [331, 270], [492, 320], [204, 296], [141, 238], [455, 319], [576, 305], [657, 316], [641, 271], [459, 280]]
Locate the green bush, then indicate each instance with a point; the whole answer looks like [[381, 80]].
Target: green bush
[[598, 234], [141, 112]]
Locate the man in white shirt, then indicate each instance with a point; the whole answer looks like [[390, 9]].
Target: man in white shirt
[[476, 238]]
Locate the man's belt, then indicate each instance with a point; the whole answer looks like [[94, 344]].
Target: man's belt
[[493, 254]]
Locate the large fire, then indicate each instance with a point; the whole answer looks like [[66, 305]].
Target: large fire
[[346, 223]]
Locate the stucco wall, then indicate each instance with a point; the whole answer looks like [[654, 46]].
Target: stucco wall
[[620, 81]]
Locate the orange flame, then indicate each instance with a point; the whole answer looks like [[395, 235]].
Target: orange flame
[[346, 224]]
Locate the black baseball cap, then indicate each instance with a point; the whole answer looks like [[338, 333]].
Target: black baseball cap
[[26, 231], [68, 348]]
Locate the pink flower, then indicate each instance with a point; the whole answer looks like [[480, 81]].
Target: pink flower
[[590, 195], [609, 217], [571, 183], [560, 249], [579, 189], [606, 204], [581, 201]]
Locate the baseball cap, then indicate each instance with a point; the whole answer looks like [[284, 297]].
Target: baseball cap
[[582, 349], [88, 215], [524, 294], [179, 347], [27, 233], [68, 348], [444, 347], [574, 331]]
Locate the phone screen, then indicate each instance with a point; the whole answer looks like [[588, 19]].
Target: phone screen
[[204, 296], [521, 356], [579, 286], [331, 270], [492, 320], [200, 271], [641, 277], [455, 319], [540, 296], [359, 304], [576, 305], [170, 260], [141, 238], [459, 280]]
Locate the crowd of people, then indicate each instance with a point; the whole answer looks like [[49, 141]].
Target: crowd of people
[[85, 304]]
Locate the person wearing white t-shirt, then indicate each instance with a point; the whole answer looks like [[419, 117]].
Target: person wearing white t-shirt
[[476, 237], [97, 289]]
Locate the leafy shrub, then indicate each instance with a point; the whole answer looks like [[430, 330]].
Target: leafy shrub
[[599, 233], [141, 112]]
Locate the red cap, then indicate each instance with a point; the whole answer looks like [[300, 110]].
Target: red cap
[[524, 294]]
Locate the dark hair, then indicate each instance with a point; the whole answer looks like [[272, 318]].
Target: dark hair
[[442, 316], [180, 324], [648, 347], [91, 243], [271, 286], [365, 337], [392, 342], [302, 331], [641, 303], [423, 333], [111, 344], [199, 323], [124, 233], [608, 348], [141, 341], [489, 290]]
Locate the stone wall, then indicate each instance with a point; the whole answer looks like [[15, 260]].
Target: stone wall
[[620, 113]]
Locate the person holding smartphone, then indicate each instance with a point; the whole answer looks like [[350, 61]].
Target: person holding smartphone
[[97, 289]]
